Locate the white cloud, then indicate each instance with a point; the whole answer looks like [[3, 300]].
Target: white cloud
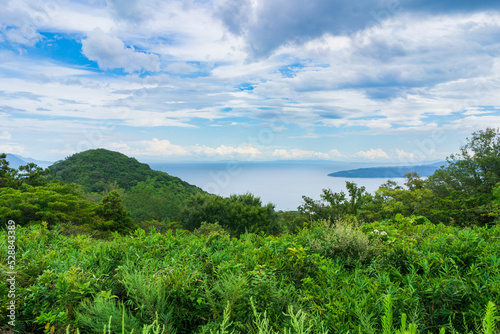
[[130, 10], [110, 53], [406, 76], [79, 18], [12, 148], [24, 35], [372, 154], [164, 148], [247, 150], [404, 156], [473, 123], [5, 135], [180, 68]]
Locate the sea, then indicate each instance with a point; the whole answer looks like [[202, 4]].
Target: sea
[[280, 183]]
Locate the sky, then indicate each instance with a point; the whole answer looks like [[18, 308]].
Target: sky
[[396, 81]]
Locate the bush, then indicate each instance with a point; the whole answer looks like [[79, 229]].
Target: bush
[[439, 276], [342, 240], [237, 214], [208, 229]]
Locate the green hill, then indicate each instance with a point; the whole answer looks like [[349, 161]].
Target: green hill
[[94, 169], [149, 195]]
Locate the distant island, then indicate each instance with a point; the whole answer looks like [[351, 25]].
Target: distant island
[[389, 172]]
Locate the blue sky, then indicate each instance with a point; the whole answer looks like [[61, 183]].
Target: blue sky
[[250, 80]]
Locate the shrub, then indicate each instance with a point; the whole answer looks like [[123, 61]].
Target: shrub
[[343, 240], [210, 228], [237, 214]]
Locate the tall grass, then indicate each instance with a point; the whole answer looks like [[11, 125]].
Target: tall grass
[[436, 276]]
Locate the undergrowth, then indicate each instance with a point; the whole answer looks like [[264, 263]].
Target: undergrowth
[[413, 278]]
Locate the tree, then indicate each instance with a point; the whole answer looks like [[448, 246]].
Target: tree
[[54, 203], [391, 199], [7, 175], [33, 175], [150, 200], [336, 205], [465, 186], [115, 217], [413, 181], [30, 174], [237, 214], [475, 170]]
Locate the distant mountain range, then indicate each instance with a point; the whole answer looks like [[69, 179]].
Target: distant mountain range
[[389, 172], [15, 161]]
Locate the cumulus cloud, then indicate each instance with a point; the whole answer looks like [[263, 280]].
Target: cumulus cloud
[[111, 53], [317, 69], [19, 21], [402, 155], [12, 148], [268, 25], [246, 150], [26, 35], [164, 148], [372, 154], [297, 154]]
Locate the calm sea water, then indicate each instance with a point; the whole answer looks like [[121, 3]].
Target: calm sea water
[[280, 183]]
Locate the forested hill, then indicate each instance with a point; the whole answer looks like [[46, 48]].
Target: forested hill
[[389, 172], [94, 169]]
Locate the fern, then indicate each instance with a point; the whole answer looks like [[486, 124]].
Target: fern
[[412, 328], [387, 318], [261, 320], [489, 318]]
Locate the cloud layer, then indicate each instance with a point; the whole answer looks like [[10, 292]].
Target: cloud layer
[[250, 79]]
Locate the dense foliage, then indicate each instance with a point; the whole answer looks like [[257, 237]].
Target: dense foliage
[[460, 193], [237, 214], [54, 203], [95, 169], [425, 255], [337, 275], [147, 194]]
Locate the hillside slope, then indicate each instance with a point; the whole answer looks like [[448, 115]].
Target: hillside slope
[[93, 169], [15, 161]]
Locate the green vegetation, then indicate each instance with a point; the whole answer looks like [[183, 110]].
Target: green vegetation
[[237, 214], [153, 256], [334, 276], [94, 170], [147, 194], [463, 193]]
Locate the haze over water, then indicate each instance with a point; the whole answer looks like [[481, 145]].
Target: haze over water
[[280, 183]]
